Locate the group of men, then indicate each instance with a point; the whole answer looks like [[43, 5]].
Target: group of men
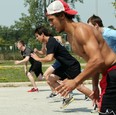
[[93, 42]]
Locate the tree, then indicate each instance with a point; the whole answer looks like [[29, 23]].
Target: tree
[[36, 16], [114, 5]]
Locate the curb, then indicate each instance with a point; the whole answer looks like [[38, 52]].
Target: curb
[[21, 84], [28, 84]]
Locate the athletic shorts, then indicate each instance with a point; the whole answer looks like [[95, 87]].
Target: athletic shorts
[[108, 90], [69, 73], [36, 68], [56, 64]]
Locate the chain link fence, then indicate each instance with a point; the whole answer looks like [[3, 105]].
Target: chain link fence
[[11, 52]]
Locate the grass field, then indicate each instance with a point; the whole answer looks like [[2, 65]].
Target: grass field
[[12, 73]]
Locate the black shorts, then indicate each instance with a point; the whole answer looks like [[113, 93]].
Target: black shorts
[[36, 68], [69, 73]]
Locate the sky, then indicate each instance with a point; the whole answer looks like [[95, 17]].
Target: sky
[[10, 11], [103, 9]]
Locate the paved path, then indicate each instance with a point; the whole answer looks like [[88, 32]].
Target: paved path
[[16, 101]]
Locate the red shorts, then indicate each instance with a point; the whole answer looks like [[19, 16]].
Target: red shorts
[[108, 90]]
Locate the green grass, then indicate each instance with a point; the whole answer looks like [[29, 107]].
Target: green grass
[[16, 74]]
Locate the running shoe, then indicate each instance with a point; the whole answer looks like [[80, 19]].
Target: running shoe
[[67, 101], [52, 95], [95, 109], [33, 90], [86, 98]]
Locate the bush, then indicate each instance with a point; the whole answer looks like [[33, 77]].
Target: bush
[[10, 56]]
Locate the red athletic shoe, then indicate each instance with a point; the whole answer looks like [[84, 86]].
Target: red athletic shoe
[[33, 90]]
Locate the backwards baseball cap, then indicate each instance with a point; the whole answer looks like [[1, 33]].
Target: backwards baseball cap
[[59, 6]]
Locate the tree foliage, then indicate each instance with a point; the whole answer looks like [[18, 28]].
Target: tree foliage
[[24, 28], [36, 16], [114, 5]]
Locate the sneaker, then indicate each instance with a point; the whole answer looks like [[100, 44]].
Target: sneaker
[[95, 109], [67, 101], [52, 95], [33, 90], [86, 98]]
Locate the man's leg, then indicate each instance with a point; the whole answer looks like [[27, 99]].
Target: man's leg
[[46, 75], [52, 81], [31, 78], [40, 77], [85, 91]]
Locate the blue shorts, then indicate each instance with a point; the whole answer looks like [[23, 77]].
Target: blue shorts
[[56, 64]]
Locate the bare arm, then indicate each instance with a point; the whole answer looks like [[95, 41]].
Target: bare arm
[[48, 58], [42, 51], [95, 80], [26, 59]]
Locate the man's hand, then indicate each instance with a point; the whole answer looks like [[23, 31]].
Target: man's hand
[[96, 96], [35, 50], [34, 56], [17, 62], [66, 87]]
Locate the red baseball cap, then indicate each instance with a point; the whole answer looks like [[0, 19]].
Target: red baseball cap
[[59, 6]]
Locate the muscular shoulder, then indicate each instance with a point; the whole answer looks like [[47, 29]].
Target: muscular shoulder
[[87, 33], [83, 32], [83, 28]]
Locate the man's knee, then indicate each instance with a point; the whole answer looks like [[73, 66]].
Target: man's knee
[[29, 74], [46, 76], [52, 79]]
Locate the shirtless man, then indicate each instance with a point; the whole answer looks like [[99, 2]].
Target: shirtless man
[[89, 44]]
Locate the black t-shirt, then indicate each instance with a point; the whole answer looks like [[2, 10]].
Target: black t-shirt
[[60, 53], [27, 52]]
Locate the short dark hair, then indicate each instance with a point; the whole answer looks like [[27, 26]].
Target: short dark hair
[[22, 42], [68, 16], [95, 20], [41, 29]]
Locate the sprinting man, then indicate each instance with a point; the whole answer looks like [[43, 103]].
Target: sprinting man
[[36, 66], [108, 34], [89, 44], [69, 68], [51, 68]]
